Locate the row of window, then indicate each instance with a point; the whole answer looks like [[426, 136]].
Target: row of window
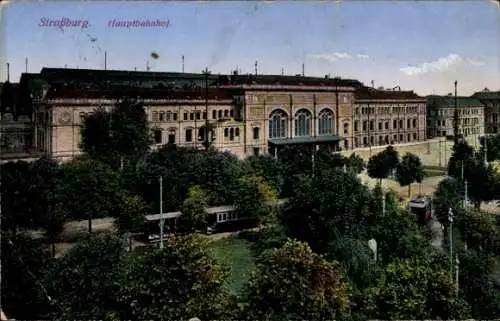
[[410, 123], [196, 115], [385, 110], [384, 140], [461, 122], [465, 132], [451, 111], [231, 133]]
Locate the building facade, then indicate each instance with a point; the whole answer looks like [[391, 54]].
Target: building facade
[[243, 114], [387, 117], [491, 103], [441, 114]]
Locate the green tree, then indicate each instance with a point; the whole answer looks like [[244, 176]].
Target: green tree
[[265, 166], [84, 282], [87, 189], [483, 182], [24, 294], [96, 136], [391, 157], [410, 170], [293, 283], [254, 198], [194, 209], [178, 282], [414, 289], [378, 167], [462, 157], [493, 147], [131, 213], [445, 197], [53, 226], [355, 163]]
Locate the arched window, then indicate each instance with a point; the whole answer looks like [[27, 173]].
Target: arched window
[[325, 119], [278, 124], [303, 123], [231, 134], [220, 113]]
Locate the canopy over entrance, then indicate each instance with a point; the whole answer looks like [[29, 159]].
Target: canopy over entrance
[[309, 140]]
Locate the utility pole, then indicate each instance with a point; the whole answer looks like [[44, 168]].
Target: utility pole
[[8, 72], [208, 141], [182, 63], [105, 60], [485, 150], [256, 64], [383, 202], [462, 174], [466, 201], [455, 117], [26, 64], [161, 212], [457, 262]]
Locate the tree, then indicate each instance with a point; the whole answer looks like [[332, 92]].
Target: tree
[[445, 197], [24, 294], [355, 163], [410, 170], [87, 189], [461, 157], [416, 289], [480, 231], [194, 213], [175, 283], [96, 136], [483, 182], [84, 282], [378, 167], [54, 226], [391, 156], [131, 213], [254, 198], [493, 147], [265, 166], [293, 283]]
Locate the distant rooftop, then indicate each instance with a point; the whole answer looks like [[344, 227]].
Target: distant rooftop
[[378, 94], [449, 101]]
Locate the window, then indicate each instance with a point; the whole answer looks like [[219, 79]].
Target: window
[[302, 123], [191, 116], [226, 132], [414, 136], [185, 116], [231, 113], [356, 124], [394, 124], [157, 136], [220, 113], [365, 125], [380, 140], [231, 134], [408, 123], [256, 132], [237, 132], [372, 124], [365, 141], [346, 128], [356, 142], [379, 126], [82, 116], [401, 138], [414, 123], [409, 137], [198, 115], [372, 140], [325, 122], [256, 151], [162, 116], [204, 115], [155, 116], [386, 125], [401, 123], [278, 122], [174, 116], [169, 116], [189, 135], [214, 114], [171, 136], [386, 139], [226, 113]]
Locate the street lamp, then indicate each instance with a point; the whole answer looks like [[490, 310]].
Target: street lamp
[[450, 220]]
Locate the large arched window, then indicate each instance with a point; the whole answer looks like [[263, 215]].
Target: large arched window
[[278, 123], [325, 120], [303, 123]]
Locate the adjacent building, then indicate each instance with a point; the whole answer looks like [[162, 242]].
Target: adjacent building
[[441, 115], [491, 103]]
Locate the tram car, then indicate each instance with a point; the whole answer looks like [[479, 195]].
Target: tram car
[[421, 207]]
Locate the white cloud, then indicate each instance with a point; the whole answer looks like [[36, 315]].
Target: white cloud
[[334, 56], [445, 63]]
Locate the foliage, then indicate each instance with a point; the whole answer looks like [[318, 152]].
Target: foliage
[[175, 283], [483, 183], [87, 189], [254, 198], [445, 197], [391, 156], [265, 166], [480, 231], [24, 295], [130, 216], [409, 170], [194, 214], [294, 160], [355, 163], [414, 289], [462, 156], [84, 283], [96, 138], [326, 206], [293, 283], [378, 167], [493, 147]]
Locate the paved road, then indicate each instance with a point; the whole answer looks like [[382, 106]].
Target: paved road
[[437, 234]]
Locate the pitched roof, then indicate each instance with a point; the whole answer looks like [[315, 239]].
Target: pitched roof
[[487, 95], [376, 94], [449, 101], [250, 79]]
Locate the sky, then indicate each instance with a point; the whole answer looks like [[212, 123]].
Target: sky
[[418, 45]]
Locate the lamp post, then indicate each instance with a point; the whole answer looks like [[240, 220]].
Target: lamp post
[[161, 212], [207, 141], [450, 220]]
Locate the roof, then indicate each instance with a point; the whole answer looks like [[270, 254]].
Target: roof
[[487, 95], [376, 94], [212, 93], [449, 101], [283, 80]]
